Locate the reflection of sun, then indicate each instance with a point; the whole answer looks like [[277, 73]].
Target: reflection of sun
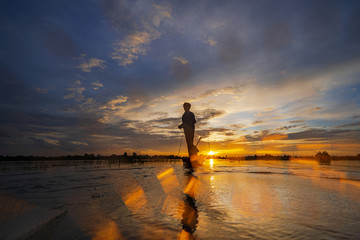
[[211, 163], [211, 153]]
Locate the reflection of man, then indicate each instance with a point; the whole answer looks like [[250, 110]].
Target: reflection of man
[[190, 214], [188, 124]]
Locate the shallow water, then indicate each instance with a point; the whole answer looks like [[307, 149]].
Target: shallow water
[[298, 199]]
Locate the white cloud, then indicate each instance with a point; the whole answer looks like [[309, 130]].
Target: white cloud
[[182, 60], [123, 107], [97, 85], [41, 90], [116, 102], [76, 91], [162, 12], [127, 51], [52, 141], [218, 24], [92, 63], [79, 143], [70, 96], [211, 41]]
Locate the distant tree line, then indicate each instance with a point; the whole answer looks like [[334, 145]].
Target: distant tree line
[[134, 157], [325, 156], [260, 157], [124, 157]]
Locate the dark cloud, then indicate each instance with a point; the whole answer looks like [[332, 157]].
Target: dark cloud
[[230, 49], [165, 120], [230, 134], [208, 93], [321, 134], [296, 121], [207, 114], [119, 14], [277, 36], [60, 43], [322, 23], [225, 90], [273, 41], [161, 114], [181, 71], [8, 131], [257, 122], [258, 136], [136, 93], [170, 123], [291, 126], [252, 138], [134, 16], [44, 120], [19, 94], [206, 132], [238, 126], [357, 124], [46, 134], [353, 28], [11, 90], [265, 132]]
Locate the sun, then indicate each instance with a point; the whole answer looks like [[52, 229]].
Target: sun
[[211, 153]]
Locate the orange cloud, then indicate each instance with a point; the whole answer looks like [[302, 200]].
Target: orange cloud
[[312, 146], [274, 137]]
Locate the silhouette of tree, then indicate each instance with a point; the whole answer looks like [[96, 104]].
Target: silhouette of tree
[[323, 156]]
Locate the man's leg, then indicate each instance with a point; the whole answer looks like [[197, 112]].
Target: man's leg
[[189, 135]]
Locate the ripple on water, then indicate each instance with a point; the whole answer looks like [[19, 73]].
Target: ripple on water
[[252, 200]]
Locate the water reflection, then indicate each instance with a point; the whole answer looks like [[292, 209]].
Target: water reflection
[[108, 231], [251, 199], [135, 200], [20, 219], [190, 214], [168, 180]]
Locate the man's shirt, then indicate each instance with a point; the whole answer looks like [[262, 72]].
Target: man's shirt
[[188, 119]]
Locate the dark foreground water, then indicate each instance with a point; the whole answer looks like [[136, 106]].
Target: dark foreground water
[[222, 200]]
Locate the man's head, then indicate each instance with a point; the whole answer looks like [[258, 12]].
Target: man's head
[[187, 106]]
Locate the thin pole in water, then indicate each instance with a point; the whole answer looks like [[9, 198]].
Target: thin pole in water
[[180, 143], [198, 141]]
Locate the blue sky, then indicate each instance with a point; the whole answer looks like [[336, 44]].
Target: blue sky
[[111, 76]]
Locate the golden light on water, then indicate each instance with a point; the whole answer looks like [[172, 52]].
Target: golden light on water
[[108, 231], [211, 163], [212, 181], [191, 186], [168, 180], [135, 200]]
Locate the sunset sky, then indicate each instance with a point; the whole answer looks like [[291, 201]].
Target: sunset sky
[[109, 76]]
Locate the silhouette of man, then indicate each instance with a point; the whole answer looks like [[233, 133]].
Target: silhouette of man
[[188, 124]]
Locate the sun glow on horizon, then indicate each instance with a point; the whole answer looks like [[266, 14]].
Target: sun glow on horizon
[[211, 153]]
